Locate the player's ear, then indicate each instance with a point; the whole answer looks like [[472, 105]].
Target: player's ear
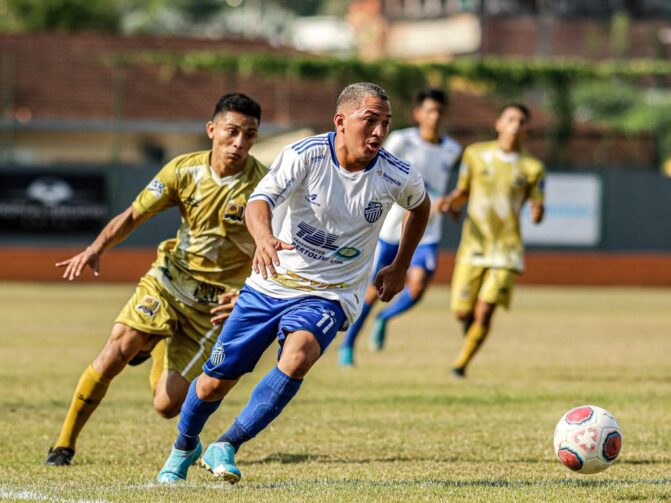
[[339, 122], [209, 127]]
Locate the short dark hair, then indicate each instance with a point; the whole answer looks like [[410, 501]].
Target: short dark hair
[[519, 106], [354, 94], [432, 93], [237, 102]]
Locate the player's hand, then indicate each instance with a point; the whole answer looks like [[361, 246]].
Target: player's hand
[[448, 205], [537, 211], [389, 281], [223, 310], [75, 265], [265, 257]]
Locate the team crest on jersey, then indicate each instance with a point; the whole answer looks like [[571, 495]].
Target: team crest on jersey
[[373, 211], [218, 354], [235, 212], [148, 305], [156, 187]]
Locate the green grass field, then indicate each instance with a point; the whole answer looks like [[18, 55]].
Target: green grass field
[[396, 428]]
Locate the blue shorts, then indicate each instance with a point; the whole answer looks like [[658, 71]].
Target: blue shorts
[[258, 319], [425, 257]]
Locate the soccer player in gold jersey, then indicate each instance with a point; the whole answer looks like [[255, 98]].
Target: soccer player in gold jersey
[[496, 179], [190, 289]]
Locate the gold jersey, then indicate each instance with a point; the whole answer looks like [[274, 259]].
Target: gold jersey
[[498, 184], [213, 250]]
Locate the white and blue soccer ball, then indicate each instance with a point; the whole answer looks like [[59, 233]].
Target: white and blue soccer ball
[[587, 439]]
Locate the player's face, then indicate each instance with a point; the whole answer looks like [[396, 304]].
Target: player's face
[[512, 125], [429, 115], [365, 128], [232, 135]]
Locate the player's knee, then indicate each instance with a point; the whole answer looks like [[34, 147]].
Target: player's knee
[[121, 346], [210, 388], [464, 316], [296, 364], [166, 408]]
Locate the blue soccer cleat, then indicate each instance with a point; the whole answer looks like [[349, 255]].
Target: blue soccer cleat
[[178, 464], [376, 339], [346, 356], [219, 459]]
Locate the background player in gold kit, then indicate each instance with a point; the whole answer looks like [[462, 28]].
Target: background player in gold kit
[[190, 288], [495, 178]]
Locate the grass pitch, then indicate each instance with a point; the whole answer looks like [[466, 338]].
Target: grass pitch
[[396, 428]]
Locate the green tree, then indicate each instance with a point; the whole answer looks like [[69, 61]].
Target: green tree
[[62, 15]]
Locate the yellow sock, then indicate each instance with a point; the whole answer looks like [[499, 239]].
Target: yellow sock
[[157, 365], [474, 338], [90, 390]]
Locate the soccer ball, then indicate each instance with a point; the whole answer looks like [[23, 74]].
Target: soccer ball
[[587, 439]]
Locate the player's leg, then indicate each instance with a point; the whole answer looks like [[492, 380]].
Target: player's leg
[[249, 330], [384, 255], [144, 319], [419, 276], [123, 343], [346, 352], [495, 290], [181, 357], [305, 332]]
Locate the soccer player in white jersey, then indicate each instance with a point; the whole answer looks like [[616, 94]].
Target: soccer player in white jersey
[[434, 156], [308, 282]]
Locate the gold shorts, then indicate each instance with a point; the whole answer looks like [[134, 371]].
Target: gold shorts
[[471, 283], [189, 335]]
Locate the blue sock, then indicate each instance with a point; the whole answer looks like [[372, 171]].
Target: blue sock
[[400, 305], [354, 330], [192, 419], [266, 402]]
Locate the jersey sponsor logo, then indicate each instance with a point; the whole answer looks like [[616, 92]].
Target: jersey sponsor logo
[[317, 237], [156, 187], [148, 305], [313, 159], [278, 195], [389, 179], [312, 199], [373, 211], [218, 354], [348, 252], [205, 293]]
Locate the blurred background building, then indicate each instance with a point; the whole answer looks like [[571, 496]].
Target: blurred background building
[[96, 96]]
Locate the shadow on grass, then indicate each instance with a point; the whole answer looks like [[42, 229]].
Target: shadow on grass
[[578, 483], [295, 458]]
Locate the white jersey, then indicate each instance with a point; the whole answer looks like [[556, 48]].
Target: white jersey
[[333, 218], [434, 162]]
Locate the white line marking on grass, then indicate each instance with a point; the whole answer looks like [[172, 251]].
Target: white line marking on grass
[[12, 494]]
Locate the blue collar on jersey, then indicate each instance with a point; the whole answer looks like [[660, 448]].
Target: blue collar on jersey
[[331, 137]]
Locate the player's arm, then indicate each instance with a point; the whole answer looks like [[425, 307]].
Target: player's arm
[[286, 173], [455, 200], [537, 198], [437, 206], [258, 216], [116, 230], [159, 194], [391, 279]]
